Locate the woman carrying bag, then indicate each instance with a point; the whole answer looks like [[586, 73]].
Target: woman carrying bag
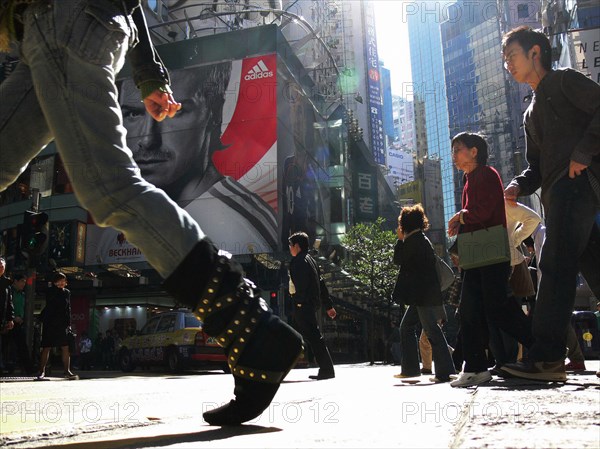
[[418, 287], [486, 264]]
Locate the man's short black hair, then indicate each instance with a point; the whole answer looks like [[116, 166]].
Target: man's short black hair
[[527, 37], [58, 276], [301, 238], [476, 140], [18, 277]]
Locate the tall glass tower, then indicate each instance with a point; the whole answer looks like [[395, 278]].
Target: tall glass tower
[[427, 66]]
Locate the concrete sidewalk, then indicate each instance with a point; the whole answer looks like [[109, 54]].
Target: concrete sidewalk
[[364, 406]]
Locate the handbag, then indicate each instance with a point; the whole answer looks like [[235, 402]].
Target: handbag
[[71, 340], [444, 273], [520, 281], [483, 247]]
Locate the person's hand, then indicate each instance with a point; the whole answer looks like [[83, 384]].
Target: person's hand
[[575, 169], [331, 313], [454, 224], [18, 320], [9, 325], [399, 233], [510, 194], [161, 105]]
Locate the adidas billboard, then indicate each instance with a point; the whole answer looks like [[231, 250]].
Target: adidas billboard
[[259, 71]]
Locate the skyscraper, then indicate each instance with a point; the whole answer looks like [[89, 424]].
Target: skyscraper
[[429, 90], [481, 95]]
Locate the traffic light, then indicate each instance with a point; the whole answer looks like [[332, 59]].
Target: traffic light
[[34, 236], [273, 300]]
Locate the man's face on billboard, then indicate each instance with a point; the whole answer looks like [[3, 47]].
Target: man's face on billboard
[[175, 148]]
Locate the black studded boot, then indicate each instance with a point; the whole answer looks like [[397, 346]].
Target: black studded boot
[[260, 348]]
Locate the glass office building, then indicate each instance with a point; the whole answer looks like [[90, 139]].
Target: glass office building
[[479, 93], [429, 89]]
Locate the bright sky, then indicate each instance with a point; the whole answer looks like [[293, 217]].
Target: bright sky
[[392, 41]]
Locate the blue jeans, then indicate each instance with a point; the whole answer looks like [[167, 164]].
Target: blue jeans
[[571, 245], [442, 359], [64, 89]]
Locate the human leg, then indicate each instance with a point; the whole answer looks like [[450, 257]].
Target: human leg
[[574, 352], [569, 227], [66, 361], [43, 362], [472, 322], [425, 351], [22, 125], [73, 61], [408, 342], [20, 337], [501, 308], [590, 261], [442, 358], [309, 329]]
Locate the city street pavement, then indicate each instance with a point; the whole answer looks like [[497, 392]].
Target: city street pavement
[[364, 406]]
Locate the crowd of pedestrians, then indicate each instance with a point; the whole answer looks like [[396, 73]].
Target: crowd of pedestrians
[[562, 127]]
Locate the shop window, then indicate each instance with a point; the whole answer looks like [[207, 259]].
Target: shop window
[[523, 11], [62, 183], [42, 174]]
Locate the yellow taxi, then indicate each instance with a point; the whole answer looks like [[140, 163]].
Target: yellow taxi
[[173, 339]]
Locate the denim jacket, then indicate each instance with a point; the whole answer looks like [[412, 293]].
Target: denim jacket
[[562, 124], [147, 65], [126, 16]]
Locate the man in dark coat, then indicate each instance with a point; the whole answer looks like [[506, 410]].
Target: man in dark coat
[[306, 293]]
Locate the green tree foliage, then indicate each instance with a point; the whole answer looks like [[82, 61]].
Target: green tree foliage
[[371, 250]]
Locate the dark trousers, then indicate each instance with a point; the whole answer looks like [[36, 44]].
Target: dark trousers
[[484, 298], [505, 348], [15, 349], [305, 322], [572, 244]]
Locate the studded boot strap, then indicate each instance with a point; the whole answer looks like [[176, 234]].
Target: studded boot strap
[[239, 330]]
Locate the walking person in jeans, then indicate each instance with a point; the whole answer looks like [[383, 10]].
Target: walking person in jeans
[[562, 135], [64, 89], [418, 287], [485, 293]]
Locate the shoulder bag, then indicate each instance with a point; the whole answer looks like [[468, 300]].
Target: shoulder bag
[[444, 273], [487, 246]]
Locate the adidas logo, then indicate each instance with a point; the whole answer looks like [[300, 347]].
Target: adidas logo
[[259, 71]]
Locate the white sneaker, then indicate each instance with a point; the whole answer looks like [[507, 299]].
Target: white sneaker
[[471, 379]]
